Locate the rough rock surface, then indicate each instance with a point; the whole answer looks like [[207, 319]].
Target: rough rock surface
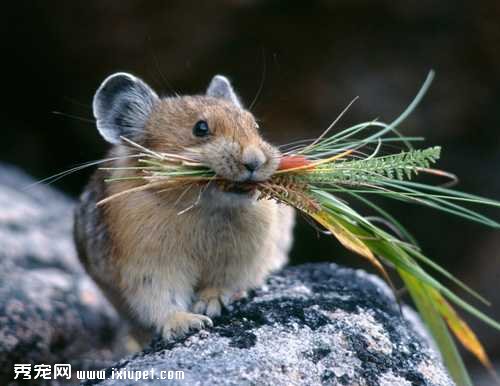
[[310, 325], [50, 310], [315, 324]]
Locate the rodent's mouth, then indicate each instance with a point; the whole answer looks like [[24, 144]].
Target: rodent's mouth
[[242, 188]]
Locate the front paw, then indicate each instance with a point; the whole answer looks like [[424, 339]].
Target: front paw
[[181, 322], [211, 301]]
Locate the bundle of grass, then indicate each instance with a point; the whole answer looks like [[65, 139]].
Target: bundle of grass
[[313, 175]]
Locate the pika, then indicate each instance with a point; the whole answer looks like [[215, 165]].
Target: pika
[[164, 268]]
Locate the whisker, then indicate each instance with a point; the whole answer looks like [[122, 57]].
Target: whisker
[[56, 177], [299, 141], [76, 117], [202, 190], [183, 194], [158, 69], [262, 81]]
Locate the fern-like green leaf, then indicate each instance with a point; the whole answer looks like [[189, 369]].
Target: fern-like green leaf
[[369, 170]]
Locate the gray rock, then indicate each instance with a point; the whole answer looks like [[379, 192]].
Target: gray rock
[[310, 325], [315, 324], [50, 310]]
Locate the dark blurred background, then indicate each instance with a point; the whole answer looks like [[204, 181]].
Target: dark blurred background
[[316, 56]]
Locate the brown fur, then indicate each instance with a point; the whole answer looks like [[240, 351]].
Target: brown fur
[[155, 264], [169, 127]]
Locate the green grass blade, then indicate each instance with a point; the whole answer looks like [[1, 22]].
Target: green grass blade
[[421, 257], [382, 244], [441, 204], [406, 234], [438, 329]]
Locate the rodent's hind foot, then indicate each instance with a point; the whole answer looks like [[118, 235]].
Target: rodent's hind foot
[[181, 322], [211, 301]]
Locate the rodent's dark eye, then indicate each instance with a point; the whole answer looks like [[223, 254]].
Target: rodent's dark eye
[[201, 129]]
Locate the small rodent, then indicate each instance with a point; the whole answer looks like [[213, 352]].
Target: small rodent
[[163, 267]]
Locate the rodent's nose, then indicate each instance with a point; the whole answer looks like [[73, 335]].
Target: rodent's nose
[[253, 158], [252, 166]]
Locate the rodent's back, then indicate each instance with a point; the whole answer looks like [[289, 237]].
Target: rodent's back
[[94, 248], [91, 233]]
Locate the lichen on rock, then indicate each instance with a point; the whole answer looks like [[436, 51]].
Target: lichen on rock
[[314, 324]]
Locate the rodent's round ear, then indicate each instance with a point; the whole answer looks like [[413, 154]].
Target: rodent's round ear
[[122, 105], [220, 87]]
